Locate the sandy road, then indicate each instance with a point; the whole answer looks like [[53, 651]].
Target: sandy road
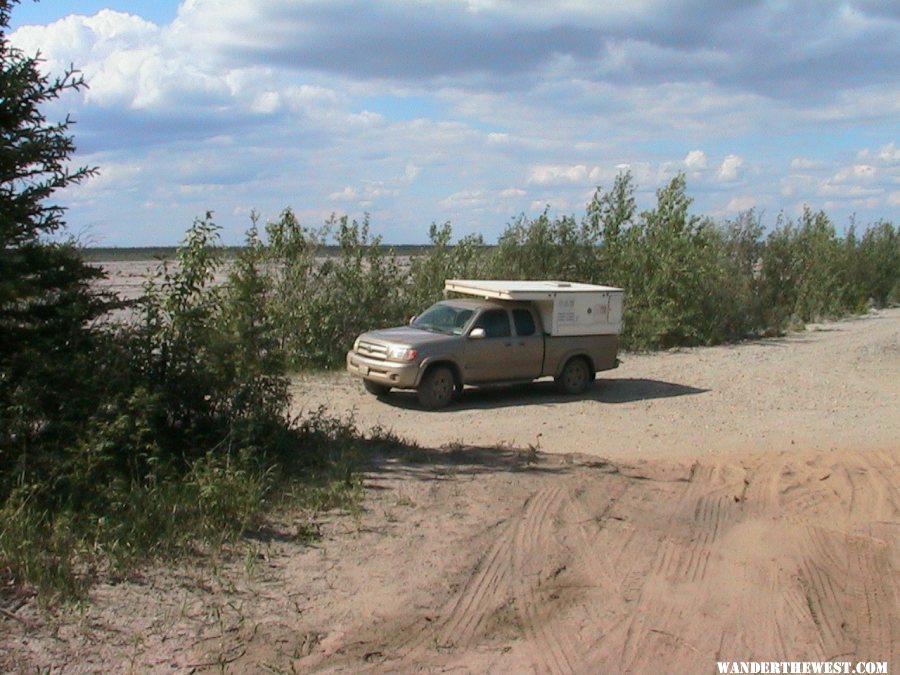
[[836, 385], [746, 508], [666, 568], [733, 503]]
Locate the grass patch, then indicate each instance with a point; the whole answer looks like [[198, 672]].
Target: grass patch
[[59, 554]]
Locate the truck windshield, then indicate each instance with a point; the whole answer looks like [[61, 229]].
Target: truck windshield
[[444, 319]]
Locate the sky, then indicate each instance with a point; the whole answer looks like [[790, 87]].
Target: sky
[[467, 111]]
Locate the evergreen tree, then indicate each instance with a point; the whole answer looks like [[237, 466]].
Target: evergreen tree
[[46, 299]]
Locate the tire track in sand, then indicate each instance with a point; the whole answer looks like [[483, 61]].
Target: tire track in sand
[[707, 505], [793, 556], [502, 588], [537, 555], [874, 602]]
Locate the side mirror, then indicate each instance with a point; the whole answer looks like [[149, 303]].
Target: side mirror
[[477, 334], [412, 318]]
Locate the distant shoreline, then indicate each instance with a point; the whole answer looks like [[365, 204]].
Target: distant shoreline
[[102, 254]]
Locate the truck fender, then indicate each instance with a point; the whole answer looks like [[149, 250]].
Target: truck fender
[[570, 355], [439, 360]]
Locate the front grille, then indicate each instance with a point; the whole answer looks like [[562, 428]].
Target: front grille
[[372, 350]]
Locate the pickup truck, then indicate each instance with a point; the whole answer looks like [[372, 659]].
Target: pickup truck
[[495, 340]]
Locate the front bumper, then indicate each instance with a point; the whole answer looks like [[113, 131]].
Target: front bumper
[[388, 373]]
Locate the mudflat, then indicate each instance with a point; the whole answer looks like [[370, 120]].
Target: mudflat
[[715, 504]]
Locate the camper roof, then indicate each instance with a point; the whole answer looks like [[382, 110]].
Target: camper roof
[[521, 290]]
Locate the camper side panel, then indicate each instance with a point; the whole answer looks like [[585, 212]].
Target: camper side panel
[[587, 313]]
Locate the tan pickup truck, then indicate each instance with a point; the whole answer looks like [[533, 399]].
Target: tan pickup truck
[[509, 332]]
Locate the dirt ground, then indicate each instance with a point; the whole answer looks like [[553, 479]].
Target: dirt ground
[[728, 503]]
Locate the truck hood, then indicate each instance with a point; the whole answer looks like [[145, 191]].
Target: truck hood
[[405, 335]]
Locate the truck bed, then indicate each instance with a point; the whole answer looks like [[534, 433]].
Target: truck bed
[[601, 349]]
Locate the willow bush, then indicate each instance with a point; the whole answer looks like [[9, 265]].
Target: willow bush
[[688, 280]]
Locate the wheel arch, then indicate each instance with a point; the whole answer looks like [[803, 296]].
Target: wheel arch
[[575, 354], [438, 362]]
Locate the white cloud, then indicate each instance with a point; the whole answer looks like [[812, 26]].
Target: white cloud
[[804, 163], [855, 203], [855, 172], [118, 53], [412, 172], [443, 110], [466, 199], [494, 201], [266, 102], [739, 204], [798, 184], [85, 39], [887, 154], [695, 160], [577, 174], [308, 98], [363, 197], [833, 189], [731, 169], [348, 194]]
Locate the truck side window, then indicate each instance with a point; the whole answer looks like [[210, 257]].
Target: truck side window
[[495, 323], [524, 322]]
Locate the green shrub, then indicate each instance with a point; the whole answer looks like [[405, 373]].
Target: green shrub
[[542, 249], [189, 439], [872, 267], [319, 303], [688, 280], [424, 283]]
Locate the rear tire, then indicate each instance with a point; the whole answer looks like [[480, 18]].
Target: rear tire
[[437, 388], [575, 376], [375, 388]]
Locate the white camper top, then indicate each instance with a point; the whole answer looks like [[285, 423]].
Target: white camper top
[[565, 307], [522, 290]]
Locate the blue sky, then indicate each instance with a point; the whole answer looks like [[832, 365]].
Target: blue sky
[[48, 11], [472, 111]]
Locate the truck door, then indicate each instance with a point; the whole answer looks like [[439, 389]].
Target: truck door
[[503, 354], [487, 359], [528, 345]]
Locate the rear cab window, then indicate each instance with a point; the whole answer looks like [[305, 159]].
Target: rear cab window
[[524, 321]]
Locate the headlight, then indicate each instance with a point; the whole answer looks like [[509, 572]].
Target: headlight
[[402, 353]]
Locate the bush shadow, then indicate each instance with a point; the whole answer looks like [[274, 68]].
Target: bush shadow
[[454, 461]]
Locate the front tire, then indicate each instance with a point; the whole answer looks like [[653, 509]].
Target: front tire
[[375, 388], [575, 376], [437, 388]]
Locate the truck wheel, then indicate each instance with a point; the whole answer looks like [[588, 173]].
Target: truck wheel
[[437, 388], [375, 388], [575, 376]]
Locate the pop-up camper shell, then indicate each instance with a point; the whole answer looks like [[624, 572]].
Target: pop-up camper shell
[[566, 308]]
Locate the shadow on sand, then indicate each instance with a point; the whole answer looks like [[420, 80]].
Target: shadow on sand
[[606, 390]]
